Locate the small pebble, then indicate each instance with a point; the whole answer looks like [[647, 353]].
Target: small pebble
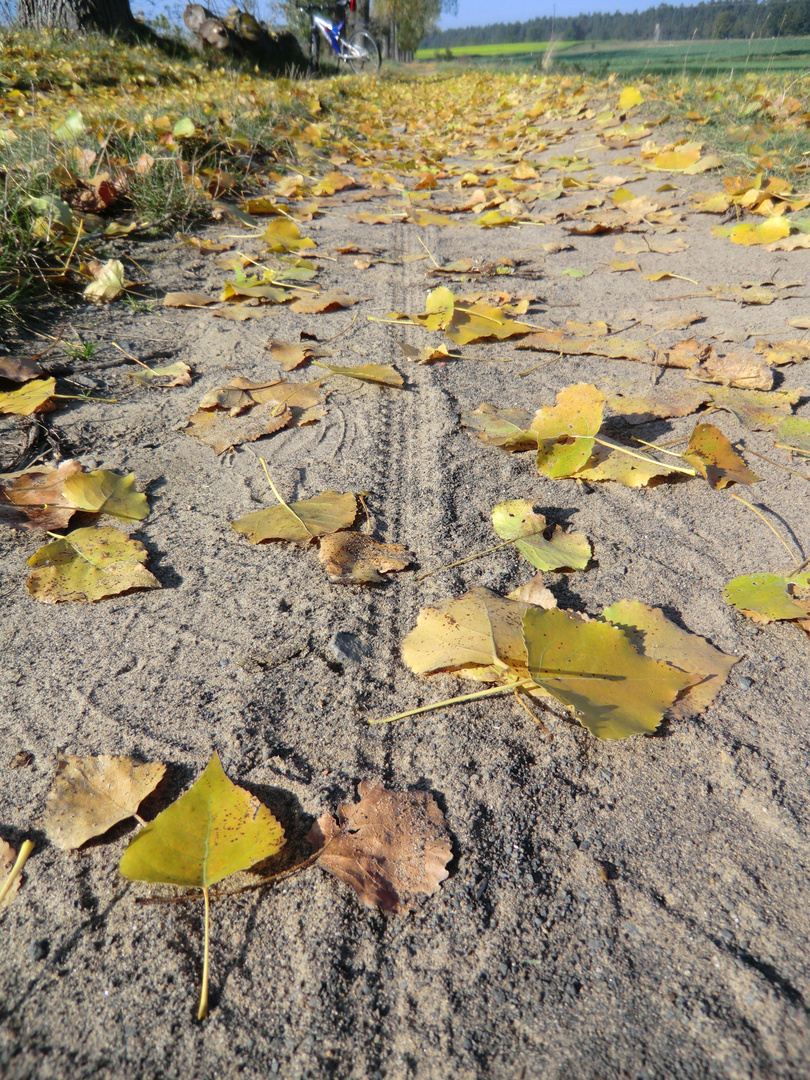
[[38, 949], [745, 683]]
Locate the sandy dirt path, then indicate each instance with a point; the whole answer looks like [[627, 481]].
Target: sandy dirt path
[[615, 909]]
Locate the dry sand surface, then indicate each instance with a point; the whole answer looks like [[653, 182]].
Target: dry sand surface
[[634, 908]]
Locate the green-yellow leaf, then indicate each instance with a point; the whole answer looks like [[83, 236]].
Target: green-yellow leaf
[[653, 634], [767, 597], [509, 428], [565, 430], [749, 233], [384, 374], [325, 513], [517, 520], [88, 564], [184, 129], [105, 492], [212, 831], [593, 668], [71, 127], [31, 398], [282, 234]]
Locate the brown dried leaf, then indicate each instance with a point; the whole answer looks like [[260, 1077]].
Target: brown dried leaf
[[392, 847], [336, 300], [224, 432], [534, 592], [740, 368], [292, 354], [90, 795], [639, 407], [18, 369], [187, 300], [716, 459], [615, 348], [351, 558]]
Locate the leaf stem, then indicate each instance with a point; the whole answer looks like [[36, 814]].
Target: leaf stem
[[286, 506], [25, 850], [762, 517], [202, 1012], [632, 453], [491, 692], [469, 558]]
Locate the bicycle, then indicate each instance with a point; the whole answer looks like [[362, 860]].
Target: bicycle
[[360, 51]]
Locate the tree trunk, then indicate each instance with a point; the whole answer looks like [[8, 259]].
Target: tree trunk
[[104, 16], [363, 13]]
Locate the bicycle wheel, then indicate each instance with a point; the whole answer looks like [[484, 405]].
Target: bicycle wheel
[[363, 53]]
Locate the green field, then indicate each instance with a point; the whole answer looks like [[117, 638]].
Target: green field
[[636, 58], [522, 48]]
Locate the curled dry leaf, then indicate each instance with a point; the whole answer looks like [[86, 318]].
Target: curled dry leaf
[[325, 513], [293, 354], [34, 499], [392, 847], [90, 795], [430, 354], [108, 282], [351, 558], [179, 374], [534, 592], [716, 459], [740, 367], [89, 564], [18, 369]]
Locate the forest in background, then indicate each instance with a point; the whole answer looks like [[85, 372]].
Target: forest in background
[[716, 19]]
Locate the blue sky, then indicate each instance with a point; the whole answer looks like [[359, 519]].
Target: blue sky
[[483, 12]]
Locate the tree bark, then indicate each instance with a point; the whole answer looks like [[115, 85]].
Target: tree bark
[[104, 16]]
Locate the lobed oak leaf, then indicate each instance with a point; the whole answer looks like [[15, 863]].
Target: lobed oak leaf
[[351, 558], [90, 795], [391, 847], [89, 564]]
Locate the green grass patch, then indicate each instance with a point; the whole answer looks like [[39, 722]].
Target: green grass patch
[[636, 59], [517, 49]]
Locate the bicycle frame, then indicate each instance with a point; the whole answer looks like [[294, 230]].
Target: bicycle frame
[[331, 32]]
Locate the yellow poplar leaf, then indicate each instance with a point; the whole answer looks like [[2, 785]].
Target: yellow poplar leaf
[[593, 668], [431, 354], [31, 398], [105, 492], [384, 374], [565, 430], [325, 513], [748, 233], [676, 160], [509, 428], [90, 795], [615, 348], [494, 218], [481, 322], [179, 374], [652, 633], [757, 410], [767, 597], [478, 635], [109, 283], [351, 558], [607, 464], [212, 831], [517, 520], [282, 234], [89, 564], [8, 857], [630, 97], [716, 459], [739, 367], [621, 266]]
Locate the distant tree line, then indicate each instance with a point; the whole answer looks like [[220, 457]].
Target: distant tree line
[[715, 19]]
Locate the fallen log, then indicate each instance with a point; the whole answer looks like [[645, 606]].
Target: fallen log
[[239, 33]]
